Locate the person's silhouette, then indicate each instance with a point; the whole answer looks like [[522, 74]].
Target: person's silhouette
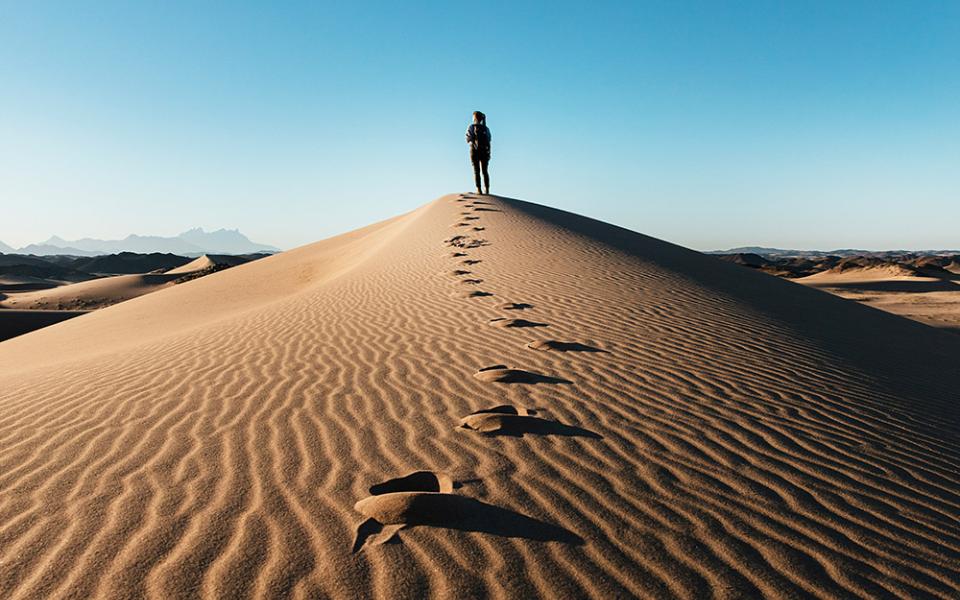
[[478, 137]]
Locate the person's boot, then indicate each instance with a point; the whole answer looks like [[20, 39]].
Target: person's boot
[[478, 190], [488, 191]]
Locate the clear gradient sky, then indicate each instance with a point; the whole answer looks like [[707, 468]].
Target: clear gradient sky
[[709, 124]]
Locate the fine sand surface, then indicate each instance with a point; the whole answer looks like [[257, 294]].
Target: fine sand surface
[[934, 301], [550, 406]]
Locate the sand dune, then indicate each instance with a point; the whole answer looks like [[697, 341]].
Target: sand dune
[[107, 291], [209, 261], [933, 300], [879, 273], [259, 432], [21, 283], [96, 293]]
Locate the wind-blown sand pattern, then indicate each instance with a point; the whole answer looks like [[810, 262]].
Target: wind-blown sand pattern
[[738, 435]]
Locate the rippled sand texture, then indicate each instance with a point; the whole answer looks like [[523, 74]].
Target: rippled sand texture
[[699, 429]]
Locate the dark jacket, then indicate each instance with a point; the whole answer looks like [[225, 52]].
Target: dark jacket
[[479, 138]]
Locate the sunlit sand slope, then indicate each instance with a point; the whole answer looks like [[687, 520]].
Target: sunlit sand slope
[[662, 425]]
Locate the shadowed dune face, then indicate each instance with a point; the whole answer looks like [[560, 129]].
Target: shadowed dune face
[[758, 438], [19, 322], [919, 286]]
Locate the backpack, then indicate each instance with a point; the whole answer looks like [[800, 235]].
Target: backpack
[[481, 138]]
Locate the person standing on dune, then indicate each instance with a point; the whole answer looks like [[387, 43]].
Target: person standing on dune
[[478, 137]]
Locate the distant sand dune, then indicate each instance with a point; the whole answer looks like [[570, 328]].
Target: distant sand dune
[[92, 294], [741, 436], [107, 291], [209, 261], [934, 300]]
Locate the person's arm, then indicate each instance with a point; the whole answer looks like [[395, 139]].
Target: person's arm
[[470, 134]]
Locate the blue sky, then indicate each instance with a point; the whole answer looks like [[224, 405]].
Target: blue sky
[[714, 124]]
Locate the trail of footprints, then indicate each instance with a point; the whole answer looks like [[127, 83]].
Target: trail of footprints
[[428, 498]]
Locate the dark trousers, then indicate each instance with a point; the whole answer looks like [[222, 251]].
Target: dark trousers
[[480, 165]]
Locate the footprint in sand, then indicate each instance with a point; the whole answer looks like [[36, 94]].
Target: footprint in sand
[[471, 218], [473, 294], [505, 322], [419, 497], [504, 374], [462, 241], [481, 209], [471, 261], [458, 254], [513, 421], [428, 498], [546, 345], [471, 281], [460, 225], [479, 228], [514, 305], [458, 272]]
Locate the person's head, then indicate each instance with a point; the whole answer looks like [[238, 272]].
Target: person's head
[[479, 117]]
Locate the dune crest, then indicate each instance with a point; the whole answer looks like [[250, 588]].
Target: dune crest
[[678, 427]]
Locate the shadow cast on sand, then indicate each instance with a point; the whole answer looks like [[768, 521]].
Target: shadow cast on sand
[[518, 323], [558, 346], [418, 481], [503, 374], [515, 306], [497, 424], [451, 511]]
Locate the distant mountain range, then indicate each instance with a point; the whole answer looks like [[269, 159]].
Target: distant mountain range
[[839, 252], [194, 242]]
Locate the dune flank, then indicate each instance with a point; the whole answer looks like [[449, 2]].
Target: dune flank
[[351, 419]]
